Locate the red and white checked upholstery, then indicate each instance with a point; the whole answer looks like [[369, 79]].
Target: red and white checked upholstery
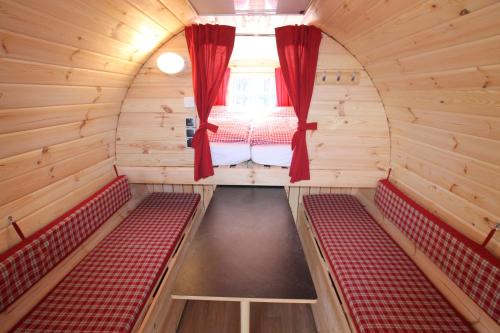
[[221, 113], [469, 265], [383, 289], [108, 289], [273, 131], [26, 263], [283, 111], [230, 131]]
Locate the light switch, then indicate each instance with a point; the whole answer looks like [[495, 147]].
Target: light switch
[[189, 102]]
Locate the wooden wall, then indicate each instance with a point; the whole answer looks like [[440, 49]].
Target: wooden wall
[[350, 148], [437, 67], [65, 67]]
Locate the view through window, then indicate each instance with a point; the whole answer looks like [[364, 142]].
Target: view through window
[[252, 82]]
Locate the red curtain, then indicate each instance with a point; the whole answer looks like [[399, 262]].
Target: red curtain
[[222, 95], [210, 47], [298, 48], [282, 98]]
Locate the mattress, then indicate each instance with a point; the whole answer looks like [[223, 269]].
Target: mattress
[[263, 135], [230, 144], [279, 155], [271, 140], [229, 153]]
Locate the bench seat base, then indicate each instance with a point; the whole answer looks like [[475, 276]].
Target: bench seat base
[[108, 289], [383, 289]]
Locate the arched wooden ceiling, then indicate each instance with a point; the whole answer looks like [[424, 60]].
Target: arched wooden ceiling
[[436, 65], [65, 67]]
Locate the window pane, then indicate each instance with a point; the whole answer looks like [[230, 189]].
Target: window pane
[[252, 90]]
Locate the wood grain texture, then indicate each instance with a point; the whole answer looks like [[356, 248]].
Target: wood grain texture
[[65, 67], [223, 317], [436, 66], [350, 147]]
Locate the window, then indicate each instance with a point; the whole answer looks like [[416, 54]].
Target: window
[[252, 90], [252, 82]]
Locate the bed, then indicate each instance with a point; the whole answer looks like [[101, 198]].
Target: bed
[[231, 144], [270, 140], [262, 135]]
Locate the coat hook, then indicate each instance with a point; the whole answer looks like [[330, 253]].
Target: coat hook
[[353, 76], [338, 76], [323, 77]]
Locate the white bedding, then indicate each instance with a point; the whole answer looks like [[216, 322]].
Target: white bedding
[[279, 155], [229, 153]]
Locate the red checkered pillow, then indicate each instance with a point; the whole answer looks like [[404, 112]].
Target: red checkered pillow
[[468, 265], [283, 111], [382, 287], [26, 263], [230, 131], [273, 131], [108, 289]]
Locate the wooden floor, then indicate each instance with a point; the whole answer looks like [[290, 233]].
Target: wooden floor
[[224, 317]]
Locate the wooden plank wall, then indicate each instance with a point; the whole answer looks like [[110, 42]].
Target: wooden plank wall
[[350, 148], [437, 67], [65, 67]]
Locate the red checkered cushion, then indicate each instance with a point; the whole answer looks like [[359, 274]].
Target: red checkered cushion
[[26, 263], [230, 131], [273, 131], [467, 264], [108, 289], [383, 289]]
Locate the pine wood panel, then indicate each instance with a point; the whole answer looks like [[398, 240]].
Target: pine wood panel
[[224, 317], [25, 141], [479, 77], [19, 46], [478, 171], [41, 177], [79, 13], [476, 25], [423, 16], [480, 52], [18, 18], [351, 140], [253, 176], [22, 119], [479, 126], [472, 198], [30, 95], [16, 71], [436, 65], [65, 67], [23, 163]]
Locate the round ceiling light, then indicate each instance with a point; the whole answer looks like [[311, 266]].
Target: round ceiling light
[[170, 63]]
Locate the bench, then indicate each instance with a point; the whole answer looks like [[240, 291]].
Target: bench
[[379, 287], [111, 289]]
